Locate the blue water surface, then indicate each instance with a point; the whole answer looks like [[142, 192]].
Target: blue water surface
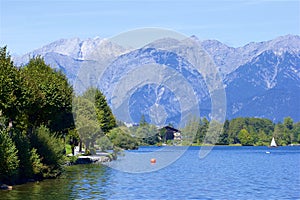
[[225, 173]]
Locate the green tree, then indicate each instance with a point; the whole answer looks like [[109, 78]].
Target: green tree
[[9, 161], [213, 132], [223, 139], [86, 122], [50, 149], [30, 96], [280, 134], [253, 133], [104, 143], [151, 134], [37, 166], [288, 123], [51, 102], [235, 126], [10, 87], [189, 132], [263, 139], [252, 125], [296, 133], [105, 116], [201, 131], [121, 137], [23, 145], [245, 138]]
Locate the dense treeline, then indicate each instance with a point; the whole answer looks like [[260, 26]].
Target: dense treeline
[[35, 116], [248, 131]]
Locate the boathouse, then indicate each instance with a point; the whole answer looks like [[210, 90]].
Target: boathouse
[[171, 133]]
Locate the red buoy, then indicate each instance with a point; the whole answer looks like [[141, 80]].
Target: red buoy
[[153, 160]]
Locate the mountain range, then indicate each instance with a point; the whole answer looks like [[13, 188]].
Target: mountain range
[[261, 79]]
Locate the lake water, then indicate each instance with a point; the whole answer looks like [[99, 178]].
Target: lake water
[[224, 173]]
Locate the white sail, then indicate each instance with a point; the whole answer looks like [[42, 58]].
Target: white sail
[[273, 143]]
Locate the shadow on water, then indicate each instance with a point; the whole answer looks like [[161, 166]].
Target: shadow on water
[[76, 181]]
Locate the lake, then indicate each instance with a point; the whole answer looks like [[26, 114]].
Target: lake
[[179, 173]]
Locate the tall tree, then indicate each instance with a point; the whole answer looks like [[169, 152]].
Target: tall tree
[[223, 139], [201, 131], [190, 131], [86, 121], [213, 132], [235, 126], [288, 123], [105, 116], [10, 87], [51, 103]]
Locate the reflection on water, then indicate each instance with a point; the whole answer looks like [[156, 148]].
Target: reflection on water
[[77, 182], [226, 173]]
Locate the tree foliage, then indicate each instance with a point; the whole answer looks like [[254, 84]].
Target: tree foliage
[[105, 116], [50, 149], [9, 161], [250, 131], [121, 137], [244, 131], [86, 122], [51, 102], [245, 138], [11, 94], [93, 117], [201, 130], [35, 109]]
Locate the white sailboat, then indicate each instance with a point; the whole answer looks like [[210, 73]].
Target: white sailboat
[[273, 143]]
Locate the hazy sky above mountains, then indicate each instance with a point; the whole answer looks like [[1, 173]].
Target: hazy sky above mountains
[[29, 24]]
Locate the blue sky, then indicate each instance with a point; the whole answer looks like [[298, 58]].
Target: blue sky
[[29, 24]]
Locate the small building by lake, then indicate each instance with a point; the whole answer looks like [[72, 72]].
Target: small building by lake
[[170, 133]]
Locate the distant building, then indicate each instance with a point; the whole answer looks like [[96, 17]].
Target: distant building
[[128, 125], [171, 133]]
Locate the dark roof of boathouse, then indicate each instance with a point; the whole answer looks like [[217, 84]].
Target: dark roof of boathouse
[[169, 128]]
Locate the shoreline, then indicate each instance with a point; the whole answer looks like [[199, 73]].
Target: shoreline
[[220, 145], [102, 157]]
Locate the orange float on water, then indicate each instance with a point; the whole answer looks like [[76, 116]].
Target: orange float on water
[[153, 160]]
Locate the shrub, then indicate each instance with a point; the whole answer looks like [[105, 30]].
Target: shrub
[[23, 145], [9, 161], [36, 164], [50, 149]]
